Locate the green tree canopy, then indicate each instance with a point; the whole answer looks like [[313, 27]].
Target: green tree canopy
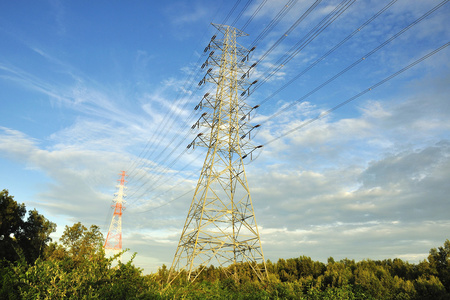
[[440, 263], [20, 238], [81, 242]]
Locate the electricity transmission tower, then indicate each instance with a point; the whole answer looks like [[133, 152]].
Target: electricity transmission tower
[[113, 242], [220, 228]]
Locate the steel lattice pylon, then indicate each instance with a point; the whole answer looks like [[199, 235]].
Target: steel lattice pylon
[[113, 242], [221, 228]]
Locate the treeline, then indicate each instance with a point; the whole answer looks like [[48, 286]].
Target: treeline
[[34, 267], [303, 278]]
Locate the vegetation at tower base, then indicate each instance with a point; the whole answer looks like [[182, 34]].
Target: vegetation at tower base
[[76, 268]]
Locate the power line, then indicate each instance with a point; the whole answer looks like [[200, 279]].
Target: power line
[[286, 8], [166, 203], [254, 14], [241, 12], [323, 114], [308, 38], [363, 58], [330, 51]]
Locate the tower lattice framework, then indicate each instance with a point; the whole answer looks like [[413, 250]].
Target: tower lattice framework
[[221, 228], [113, 242]]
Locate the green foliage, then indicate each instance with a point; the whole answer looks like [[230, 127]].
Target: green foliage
[[91, 279], [19, 238], [91, 276], [440, 264], [11, 222], [81, 242]]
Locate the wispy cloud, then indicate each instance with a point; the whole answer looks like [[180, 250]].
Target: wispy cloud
[[59, 13]]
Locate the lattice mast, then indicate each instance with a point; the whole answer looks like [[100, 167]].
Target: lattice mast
[[113, 242], [221, 228]]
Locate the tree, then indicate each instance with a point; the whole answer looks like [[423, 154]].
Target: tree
[[11, 214], [440, 262], [81, 242], [337, 274], [21, 238], [35, 235]]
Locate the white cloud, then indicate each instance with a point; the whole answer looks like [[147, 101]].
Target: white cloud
[[78, 177]]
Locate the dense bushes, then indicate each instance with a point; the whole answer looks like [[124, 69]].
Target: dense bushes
[[94, 277]]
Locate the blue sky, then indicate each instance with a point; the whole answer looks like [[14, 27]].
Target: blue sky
[[90, 88]]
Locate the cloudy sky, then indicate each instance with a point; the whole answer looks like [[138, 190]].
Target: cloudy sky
[[91, 88]]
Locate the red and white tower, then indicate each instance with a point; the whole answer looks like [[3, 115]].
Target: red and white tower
[[113, 242]]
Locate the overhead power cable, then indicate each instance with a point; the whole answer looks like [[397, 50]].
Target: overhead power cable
[[286, 8], [363, 58], [241, 12], [306, 40], [231, 12], [330, 51], [177, 184], [254, 14], [167, 167], [288, 32], [154, 185], [166, 203], [323, 114]]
